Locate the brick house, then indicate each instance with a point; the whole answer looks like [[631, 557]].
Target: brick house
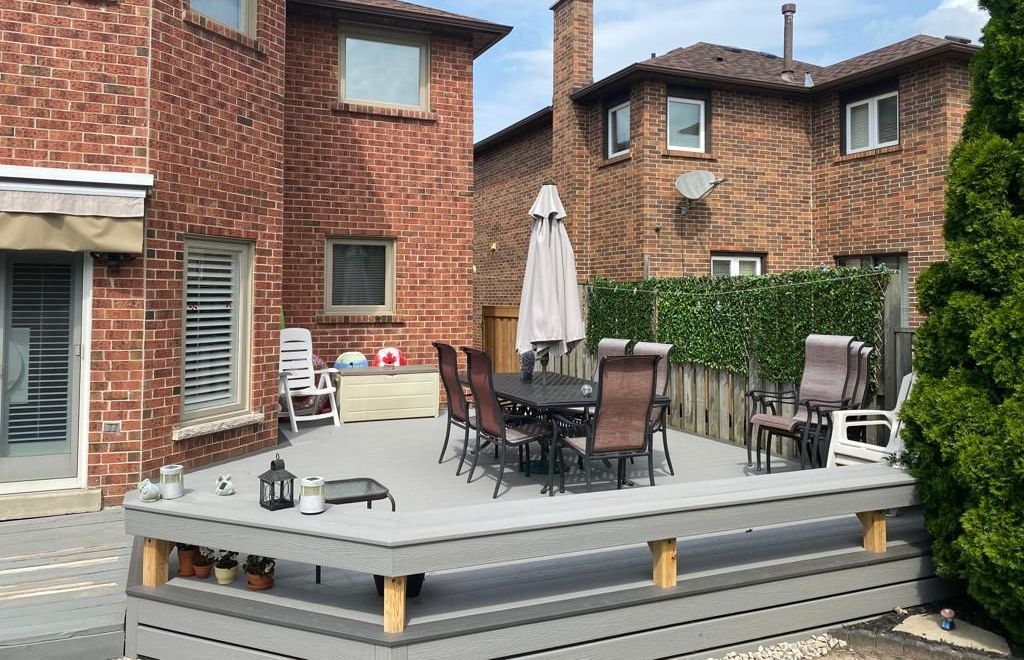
[[841, 164], [175, 174]]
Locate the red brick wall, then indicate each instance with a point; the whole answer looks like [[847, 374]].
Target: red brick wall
[[216, 153], [506, 181], [891, 200], [401, 175], [759, 143], [74, 94], [73, 89]]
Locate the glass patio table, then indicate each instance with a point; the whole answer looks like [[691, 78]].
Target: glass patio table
[[546, 393]]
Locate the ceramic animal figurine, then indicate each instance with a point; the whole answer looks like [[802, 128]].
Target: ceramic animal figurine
[[224, 485], [150, 491]]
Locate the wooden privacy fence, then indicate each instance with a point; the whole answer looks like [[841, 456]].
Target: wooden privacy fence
[[499, 335], [709, 402]]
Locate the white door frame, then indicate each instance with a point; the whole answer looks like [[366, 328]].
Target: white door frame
[[84, 387]]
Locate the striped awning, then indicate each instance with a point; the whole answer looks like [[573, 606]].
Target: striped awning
[[72, 210]]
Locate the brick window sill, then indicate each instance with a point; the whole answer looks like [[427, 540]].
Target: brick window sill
[[200, 428], [340, 107], [359, 319], [222, 31], [690, 155], [868, 154], [615, 160]]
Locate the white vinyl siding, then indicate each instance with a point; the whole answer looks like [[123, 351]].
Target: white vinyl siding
[[686, 125], [735, 265], [618, 130], [872, 123], [381, 67], [216, 348], [360, 276]]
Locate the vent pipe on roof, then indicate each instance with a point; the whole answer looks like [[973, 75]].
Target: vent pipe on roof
[[788, 10]]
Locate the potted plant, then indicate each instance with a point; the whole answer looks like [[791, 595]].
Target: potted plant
[[226, 567], [186, 559], [203, 562], [259, 572]]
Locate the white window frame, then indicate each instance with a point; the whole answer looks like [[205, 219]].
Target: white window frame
[[734, 263], [404, 38], [247, 10], [872, 103], [610, 137], [668, 124], [388, 308], [242, 367]]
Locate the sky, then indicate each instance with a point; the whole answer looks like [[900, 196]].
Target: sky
[[513, 78]]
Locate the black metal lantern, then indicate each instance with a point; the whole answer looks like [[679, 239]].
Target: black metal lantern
[[277, 486]]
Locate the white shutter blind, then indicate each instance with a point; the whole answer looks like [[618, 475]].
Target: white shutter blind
[[359, 275], [888, 125], [39, 349], [212, 294], [859, 129], [748, 267]]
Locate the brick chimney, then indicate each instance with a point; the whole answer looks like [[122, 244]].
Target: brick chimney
[[788, 10], [570, 167]]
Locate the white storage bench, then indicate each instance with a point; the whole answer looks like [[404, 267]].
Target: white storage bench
[[372, 393]]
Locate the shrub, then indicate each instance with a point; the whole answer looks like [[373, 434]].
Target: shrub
[[964, 428]]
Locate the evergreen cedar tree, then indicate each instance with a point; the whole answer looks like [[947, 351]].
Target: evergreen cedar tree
[[964, 428]]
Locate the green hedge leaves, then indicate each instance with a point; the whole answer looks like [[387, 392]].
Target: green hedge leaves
[[721, 322], [964, 430]]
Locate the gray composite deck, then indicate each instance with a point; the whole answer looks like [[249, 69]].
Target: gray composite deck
[[402, 454], [525, 575], [62, 586]]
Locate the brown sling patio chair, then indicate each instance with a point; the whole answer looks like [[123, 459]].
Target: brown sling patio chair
[[491, 421], [605, 348], [857, 388], [659, 414], [459, 414], [827, 364], [620, 427]]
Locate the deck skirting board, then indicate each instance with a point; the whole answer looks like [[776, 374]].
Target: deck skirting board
[[847, 586], [99, 646], [704, 636]]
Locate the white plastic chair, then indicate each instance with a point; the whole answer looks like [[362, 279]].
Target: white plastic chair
[[298, 378], [843, 450]]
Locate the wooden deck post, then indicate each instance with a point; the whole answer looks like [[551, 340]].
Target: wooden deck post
[[664, 555], [154, 562], [394, 604], [874, 530]]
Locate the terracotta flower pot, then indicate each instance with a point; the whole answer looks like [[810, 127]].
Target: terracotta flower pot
[[226, 575], [186, 565], [203, 571], [259, 582]]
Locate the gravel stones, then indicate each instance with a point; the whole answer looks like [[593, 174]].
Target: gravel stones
[[817, 646]]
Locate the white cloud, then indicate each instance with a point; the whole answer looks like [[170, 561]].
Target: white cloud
[[962, 18]]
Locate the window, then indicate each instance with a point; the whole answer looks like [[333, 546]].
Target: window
[[872, 123], [215, 369], [618, 130], [385, 68], [734, 265], [239, 15], [895, 262], [686, 125], [360, 276]]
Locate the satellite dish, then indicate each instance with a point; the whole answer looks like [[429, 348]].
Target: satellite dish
[[697, 185]]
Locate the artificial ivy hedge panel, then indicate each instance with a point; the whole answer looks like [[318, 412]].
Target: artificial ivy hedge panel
[[722, 322]]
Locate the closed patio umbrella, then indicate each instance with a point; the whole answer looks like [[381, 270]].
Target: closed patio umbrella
[[550, 320]]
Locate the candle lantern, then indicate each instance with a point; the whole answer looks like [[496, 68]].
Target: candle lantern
[[277, 486], [311, 495], [172, 481]]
